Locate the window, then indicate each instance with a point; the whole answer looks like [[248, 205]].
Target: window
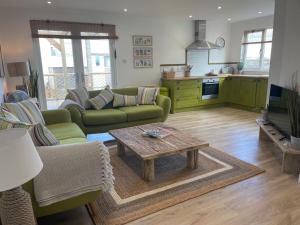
[[97, 58], [107, 61], [256, 50], [72, 55], [54, 51]]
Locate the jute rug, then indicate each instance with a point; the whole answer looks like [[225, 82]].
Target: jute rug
[[134, 198]]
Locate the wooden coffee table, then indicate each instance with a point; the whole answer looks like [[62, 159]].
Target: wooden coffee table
[[148, 149]]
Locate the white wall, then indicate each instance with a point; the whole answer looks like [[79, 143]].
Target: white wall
[[237, 33], [199, 59], [170, 37], [286, 48]]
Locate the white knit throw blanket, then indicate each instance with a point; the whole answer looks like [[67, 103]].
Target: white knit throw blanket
[[72, 170]]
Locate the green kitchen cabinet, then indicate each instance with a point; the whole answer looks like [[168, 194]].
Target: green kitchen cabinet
[[233, 90], [261, 93], [243, 91], [184, 93], [222, 89], [247, 93]]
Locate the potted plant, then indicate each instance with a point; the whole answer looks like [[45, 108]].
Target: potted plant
[[264, 114], [240, 67], [187, 70], [293, 105], [32, 82]]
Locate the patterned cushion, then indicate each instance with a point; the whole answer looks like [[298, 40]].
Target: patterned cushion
[[124, 100], [26, 111], [8, 120], [40, 135], [101, 100], [147, 96], [81, 96], [17, 96]]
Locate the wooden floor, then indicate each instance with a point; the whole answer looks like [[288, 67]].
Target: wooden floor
[[272, 198]]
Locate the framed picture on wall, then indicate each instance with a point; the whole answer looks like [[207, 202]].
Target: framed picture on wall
[[143, 63], [145, 52], [141, 40]]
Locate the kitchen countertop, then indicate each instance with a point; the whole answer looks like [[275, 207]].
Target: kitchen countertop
[[220, 76]]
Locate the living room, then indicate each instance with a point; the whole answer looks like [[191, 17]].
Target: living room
[[192, 105]]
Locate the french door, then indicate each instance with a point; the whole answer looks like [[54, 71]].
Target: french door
[[70, 63]]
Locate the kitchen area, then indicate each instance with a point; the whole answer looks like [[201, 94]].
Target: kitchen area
[[202, 83]]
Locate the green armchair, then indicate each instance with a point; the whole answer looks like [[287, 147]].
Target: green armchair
[[60, 124]]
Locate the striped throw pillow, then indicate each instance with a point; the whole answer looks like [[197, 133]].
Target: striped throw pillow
[[8, 120], [147, 96], [40, 135], [26, 111], [102, 99], [124, 100], [81, 96]]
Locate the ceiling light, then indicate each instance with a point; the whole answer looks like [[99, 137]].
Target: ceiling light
[[259, 12], [190, 16], [49, 2], [125, 10], [229, 19], [219, 7]]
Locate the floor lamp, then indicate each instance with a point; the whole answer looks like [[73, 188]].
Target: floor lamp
[[19, 163]]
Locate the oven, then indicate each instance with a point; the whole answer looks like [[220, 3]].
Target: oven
[[210, 88]]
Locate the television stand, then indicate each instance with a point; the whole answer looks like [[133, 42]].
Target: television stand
[[290, 158]]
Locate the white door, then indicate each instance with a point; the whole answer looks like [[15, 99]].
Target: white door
[[67, 64]]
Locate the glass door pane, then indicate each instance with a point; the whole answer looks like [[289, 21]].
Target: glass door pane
[[58, 69], [97, 64]]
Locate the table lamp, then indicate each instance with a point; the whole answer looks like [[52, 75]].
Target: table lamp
[[19, 163]]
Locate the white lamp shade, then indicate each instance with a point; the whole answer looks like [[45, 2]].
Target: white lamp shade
[[19, 159]]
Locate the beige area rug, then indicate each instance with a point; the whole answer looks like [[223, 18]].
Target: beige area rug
[[134, 198]]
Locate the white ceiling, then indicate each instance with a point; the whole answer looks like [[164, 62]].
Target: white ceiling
[[200, 9]]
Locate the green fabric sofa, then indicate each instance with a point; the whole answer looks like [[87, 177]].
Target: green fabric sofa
[[98, 121], [60, 124]]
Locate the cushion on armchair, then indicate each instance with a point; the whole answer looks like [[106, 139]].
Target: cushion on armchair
[[26, 111], [40, 135]]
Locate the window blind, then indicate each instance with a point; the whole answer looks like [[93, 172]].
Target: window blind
[[71, 30]]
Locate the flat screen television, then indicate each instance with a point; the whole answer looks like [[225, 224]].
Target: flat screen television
[[277, 109]]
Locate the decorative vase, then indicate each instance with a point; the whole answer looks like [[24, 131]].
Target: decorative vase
[[187, 73], [295, 142], [264, 115]]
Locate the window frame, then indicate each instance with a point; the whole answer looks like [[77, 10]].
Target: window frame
[[262, 43]]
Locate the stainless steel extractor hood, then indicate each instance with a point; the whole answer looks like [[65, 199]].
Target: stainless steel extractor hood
[[200, 42]]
